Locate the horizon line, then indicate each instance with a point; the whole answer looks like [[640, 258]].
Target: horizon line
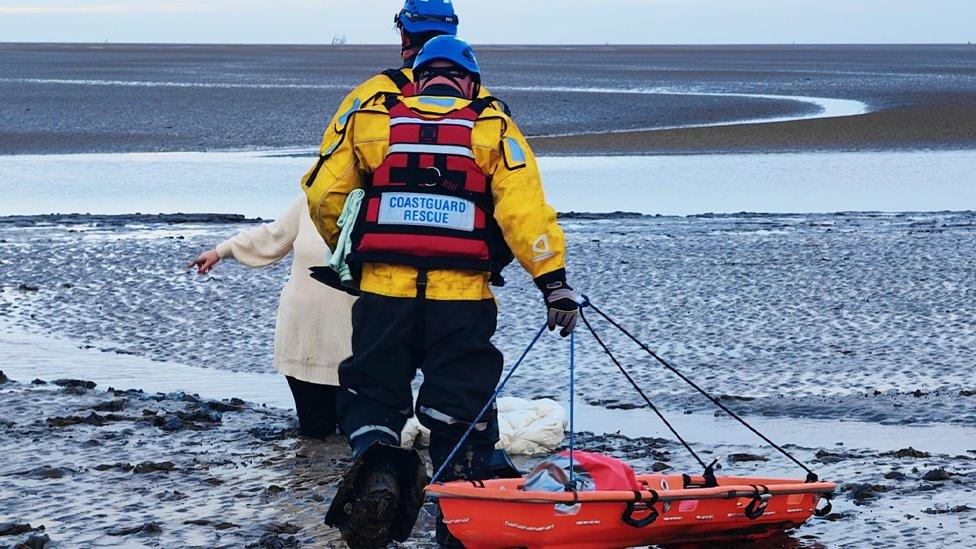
[[522, 45]]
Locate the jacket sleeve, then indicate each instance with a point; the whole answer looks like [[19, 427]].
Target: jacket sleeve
[[267, 243], [328, 183], [527, 221]]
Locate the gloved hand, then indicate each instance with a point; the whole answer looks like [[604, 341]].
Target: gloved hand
[[561, 300]]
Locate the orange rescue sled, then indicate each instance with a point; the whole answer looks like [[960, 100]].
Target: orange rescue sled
[[500, 514]]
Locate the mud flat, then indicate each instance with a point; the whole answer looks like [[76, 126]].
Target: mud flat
[[949, 126], [72, 98], [795, 321], [840, 316], [93, 467]]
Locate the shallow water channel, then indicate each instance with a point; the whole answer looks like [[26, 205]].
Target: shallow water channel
[[27, 356], [262, 184]]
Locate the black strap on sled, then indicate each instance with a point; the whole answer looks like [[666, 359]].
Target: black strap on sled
[[757, 505], [639, 505], [825, 510]]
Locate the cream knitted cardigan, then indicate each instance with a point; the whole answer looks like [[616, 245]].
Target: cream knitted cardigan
[[313, 330]]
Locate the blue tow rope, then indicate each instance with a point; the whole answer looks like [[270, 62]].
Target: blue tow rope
[[572, 406], [501, 387], [487, 405]]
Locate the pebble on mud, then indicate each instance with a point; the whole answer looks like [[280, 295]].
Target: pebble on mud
[[13, 528], [221, 406], [937, 475], [148, 528], [74, 383], [110, 406], [202, 415], [152, 467], [861, 493], [120, 466], [172, 424], [279, 528], [735, 458], [951, 510], [275, 541], [833, 457], [907, 453], [34, 541], [48, 472], [93, 419]]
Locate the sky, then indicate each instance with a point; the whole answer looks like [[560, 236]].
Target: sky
[[494, 21]]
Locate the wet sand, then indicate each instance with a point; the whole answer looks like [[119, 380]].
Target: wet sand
[[841, 316], [793, 320], [936, 127], [124, 467], [70, 98]]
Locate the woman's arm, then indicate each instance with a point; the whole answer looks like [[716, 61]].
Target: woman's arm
[[258, 247]]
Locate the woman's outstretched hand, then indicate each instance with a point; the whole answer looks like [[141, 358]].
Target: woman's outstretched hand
[[204, 262]]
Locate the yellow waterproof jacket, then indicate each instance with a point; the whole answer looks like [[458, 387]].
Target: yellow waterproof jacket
[[527, 222]]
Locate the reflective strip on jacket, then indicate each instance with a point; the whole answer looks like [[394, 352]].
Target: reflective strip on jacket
[[527, 222]]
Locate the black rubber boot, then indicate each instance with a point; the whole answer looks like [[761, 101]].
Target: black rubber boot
[[373, 509], [379, 497], [472, 462]]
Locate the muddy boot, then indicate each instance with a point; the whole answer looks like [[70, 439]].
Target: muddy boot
[[471, 462], [371, 512], [379, 497]]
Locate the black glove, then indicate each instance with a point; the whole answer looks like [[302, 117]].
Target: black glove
[[330, 278], [561, 300]]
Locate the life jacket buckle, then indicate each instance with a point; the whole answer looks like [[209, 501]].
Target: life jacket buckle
[[421, 283]]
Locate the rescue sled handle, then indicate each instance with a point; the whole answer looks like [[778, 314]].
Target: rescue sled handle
[[469, 491]]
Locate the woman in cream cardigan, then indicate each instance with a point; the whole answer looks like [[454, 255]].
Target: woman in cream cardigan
[[313, 330]]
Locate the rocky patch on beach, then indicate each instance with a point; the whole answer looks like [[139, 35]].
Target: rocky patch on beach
[[122, 220], [122, 474]]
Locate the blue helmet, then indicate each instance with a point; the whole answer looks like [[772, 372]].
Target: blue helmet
[[420, 16], [449, 48]]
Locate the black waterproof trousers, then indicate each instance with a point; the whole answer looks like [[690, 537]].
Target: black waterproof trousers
[[315, 406], [450, 343]]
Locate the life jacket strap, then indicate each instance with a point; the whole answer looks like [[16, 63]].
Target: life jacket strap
[[479, 105], [399, 79], [421, 284]]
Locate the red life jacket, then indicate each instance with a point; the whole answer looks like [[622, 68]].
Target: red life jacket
[[428, 204]]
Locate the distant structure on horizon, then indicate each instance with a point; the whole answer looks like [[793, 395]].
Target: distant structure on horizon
[[339, 40]]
